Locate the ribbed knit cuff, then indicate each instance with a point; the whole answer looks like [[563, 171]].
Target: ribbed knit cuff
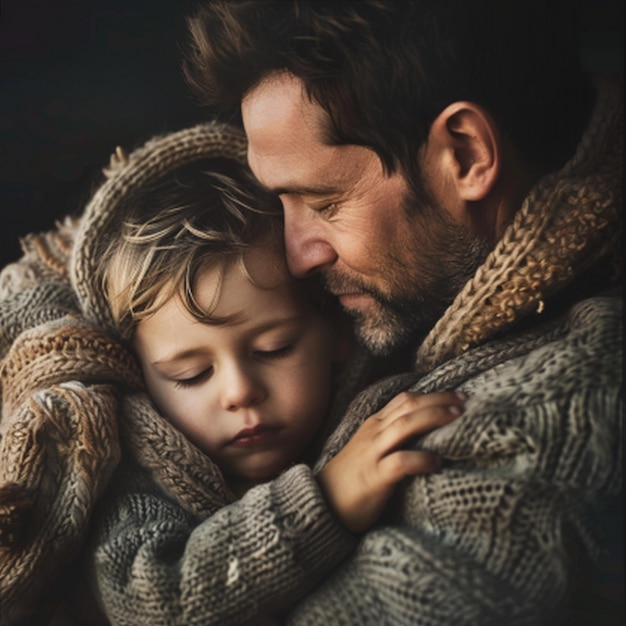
[[320, 541]]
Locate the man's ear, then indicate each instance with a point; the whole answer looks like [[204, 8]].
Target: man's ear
[[465, 137]]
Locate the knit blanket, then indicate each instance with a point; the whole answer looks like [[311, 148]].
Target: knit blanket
[[496, 537], [61, 381]]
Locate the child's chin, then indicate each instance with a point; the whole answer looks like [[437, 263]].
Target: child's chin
[[248, 478]]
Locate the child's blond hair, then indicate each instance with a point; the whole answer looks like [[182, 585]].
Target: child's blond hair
[[204, 214]]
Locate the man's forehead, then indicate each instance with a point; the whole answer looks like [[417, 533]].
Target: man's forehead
[[287, 150], [278, 108]]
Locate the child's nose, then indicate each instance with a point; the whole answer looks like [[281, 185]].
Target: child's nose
[[241, 388]]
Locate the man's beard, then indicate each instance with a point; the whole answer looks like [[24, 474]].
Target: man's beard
[[388, 324], [419, 287]]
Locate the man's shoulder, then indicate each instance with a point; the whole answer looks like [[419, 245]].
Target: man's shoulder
[[581, 349], [596, 322], [583, 343]]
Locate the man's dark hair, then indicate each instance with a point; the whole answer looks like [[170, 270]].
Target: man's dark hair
[[384, 70]]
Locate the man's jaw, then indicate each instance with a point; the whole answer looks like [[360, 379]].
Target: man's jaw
[[347, 289], [380, 326], [371, 316]]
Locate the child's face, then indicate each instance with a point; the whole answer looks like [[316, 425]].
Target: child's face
[[250, 393]]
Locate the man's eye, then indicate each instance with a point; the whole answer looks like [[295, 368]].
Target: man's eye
[[279, 353], [328, 210], [194, 380]]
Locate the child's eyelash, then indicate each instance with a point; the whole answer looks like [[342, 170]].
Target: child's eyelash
[[278, 353], [194, 380]]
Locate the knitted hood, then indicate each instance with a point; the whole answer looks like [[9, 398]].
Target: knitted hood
[[125, 173]]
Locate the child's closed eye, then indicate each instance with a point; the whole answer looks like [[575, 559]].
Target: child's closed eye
[[194, 380], [278, 353]]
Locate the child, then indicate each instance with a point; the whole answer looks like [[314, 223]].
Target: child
[[178, 256]]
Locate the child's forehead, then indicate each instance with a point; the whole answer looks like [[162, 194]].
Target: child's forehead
[[262, 264], [265, 265], [259, 275]]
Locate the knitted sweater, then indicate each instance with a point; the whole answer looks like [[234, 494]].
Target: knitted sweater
[[497, 536]]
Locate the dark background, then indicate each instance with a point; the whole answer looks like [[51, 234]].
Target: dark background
[[78, 77]]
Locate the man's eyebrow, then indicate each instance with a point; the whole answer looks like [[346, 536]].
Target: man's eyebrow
[[303, 190]]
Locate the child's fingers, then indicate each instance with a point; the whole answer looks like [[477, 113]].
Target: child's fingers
[[414, 423], [359, 480], [410, 422], [413, 401], [397, 465]]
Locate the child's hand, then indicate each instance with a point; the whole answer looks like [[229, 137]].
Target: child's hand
[[360, 479]]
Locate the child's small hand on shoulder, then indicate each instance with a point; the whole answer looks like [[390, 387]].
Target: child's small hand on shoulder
[[360, 479]]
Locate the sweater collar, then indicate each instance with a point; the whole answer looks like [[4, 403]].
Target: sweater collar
[[570, 220]]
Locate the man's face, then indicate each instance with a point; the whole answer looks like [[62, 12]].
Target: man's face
[[395, 266]]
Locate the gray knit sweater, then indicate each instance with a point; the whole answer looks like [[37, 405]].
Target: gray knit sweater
[[499, 536]]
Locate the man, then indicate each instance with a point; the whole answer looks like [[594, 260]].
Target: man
[[455, 179]]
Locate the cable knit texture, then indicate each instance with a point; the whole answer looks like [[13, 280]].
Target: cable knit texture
[[498, 536]]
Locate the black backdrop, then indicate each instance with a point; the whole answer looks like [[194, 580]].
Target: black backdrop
[[78, 77]]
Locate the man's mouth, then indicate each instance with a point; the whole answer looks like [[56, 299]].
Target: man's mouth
[[354, 300], [349, 292]]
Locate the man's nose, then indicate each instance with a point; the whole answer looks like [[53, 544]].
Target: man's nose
[[307, 249], [241, 388]]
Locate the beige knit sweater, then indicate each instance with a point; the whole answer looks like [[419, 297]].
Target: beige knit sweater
[[497, 537]]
